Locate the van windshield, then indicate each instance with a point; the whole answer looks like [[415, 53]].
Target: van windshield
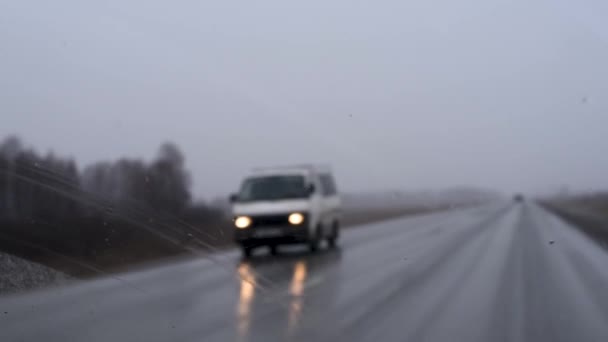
[[273, 188]]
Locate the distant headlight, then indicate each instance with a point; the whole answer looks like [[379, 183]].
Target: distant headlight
[[242, 222], [296, 219]]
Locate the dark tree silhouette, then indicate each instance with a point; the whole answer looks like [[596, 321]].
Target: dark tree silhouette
[[112, 213]]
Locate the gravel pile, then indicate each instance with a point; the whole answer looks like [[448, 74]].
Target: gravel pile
[[17, 275]]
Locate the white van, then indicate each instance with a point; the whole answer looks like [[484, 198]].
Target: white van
[[285, 205]]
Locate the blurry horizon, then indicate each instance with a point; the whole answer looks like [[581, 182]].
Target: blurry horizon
[[452, 191], [504, 95]]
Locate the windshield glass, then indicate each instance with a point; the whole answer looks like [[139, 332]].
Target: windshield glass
[[273, 170], [273, 188]]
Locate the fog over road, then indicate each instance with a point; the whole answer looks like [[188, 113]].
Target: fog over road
[[502, 272]]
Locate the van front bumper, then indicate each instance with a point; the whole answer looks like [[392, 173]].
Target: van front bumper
[[272, 235]]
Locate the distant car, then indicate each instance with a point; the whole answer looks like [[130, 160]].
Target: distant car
[[518, 198], [286, 205]]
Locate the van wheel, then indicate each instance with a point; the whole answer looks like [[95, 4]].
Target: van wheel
[[273, 249], [247, 251], [313, 244], [331, 241], [335, 233]]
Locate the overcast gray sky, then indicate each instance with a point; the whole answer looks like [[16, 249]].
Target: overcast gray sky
[[508, 94]]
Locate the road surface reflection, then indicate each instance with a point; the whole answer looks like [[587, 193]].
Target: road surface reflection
[[247, 294], [296, 290], [277, 285]]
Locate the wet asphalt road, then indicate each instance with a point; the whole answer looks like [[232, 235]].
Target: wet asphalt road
[[503, 272]]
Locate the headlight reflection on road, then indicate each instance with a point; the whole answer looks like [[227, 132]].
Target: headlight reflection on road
[[296, 290], [247, 294]]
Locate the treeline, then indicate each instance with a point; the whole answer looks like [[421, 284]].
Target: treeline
[[107, 214], [48, 187]]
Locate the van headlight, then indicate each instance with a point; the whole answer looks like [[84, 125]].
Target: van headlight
[[242, 222], [296, 219]]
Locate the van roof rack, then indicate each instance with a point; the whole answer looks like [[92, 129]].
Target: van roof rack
[[319, 168]]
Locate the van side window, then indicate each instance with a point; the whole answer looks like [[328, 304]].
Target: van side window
[[324, 187], [328, 187]]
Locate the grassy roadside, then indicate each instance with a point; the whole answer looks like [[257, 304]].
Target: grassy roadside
[[353, 218], [587, 218], [149, 250]]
